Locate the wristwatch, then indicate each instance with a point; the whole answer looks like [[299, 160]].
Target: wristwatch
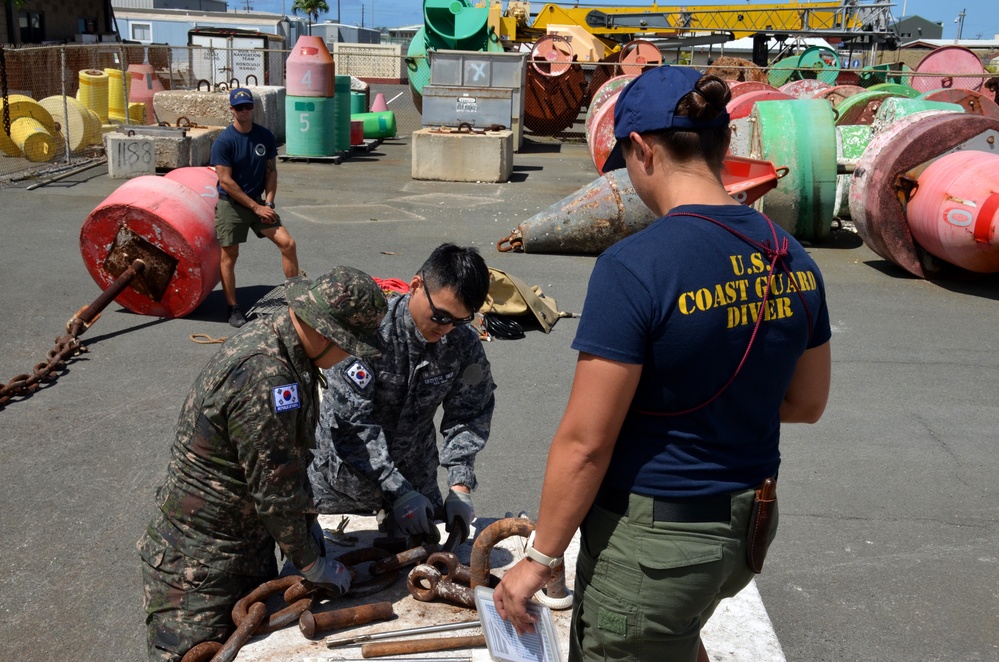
[[551, 561], [269, 204]]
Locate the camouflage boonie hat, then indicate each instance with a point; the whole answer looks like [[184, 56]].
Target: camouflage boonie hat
[[344, 305]]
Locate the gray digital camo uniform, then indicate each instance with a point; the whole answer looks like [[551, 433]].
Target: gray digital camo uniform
[[376, 437], [236, 484]]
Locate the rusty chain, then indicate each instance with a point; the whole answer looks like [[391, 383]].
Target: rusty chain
[[69, 345], [250, 614]]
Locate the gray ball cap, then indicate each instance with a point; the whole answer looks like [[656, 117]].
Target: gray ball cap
[[345, 305]]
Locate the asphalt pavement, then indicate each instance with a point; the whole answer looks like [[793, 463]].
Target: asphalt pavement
[[888, 546]]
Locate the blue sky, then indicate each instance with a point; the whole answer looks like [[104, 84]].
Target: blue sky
[[981, 16]]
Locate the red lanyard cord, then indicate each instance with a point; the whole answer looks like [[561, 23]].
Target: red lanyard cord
[[775, 255]]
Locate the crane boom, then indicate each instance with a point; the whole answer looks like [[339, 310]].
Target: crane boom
[[831, 18]]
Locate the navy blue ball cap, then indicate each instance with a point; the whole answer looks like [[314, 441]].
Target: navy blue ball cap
[[240, 95], [649, 104]]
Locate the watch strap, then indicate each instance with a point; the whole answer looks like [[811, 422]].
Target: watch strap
[[551, 562]]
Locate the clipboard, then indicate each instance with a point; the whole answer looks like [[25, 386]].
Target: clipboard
[[502, 640]]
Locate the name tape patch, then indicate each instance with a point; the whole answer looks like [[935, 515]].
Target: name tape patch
[[286, 397]]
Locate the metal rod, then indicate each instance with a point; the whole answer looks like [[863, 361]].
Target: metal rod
[[347, 641], [64, 175]]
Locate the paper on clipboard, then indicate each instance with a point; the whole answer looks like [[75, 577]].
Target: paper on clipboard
[[502, 640]]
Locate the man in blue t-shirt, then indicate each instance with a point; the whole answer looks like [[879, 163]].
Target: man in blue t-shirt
[[244, 158]]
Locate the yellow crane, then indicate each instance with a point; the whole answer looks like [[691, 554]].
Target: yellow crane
[[847, 19]]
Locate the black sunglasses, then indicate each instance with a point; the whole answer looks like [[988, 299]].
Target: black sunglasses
[[436, 316], [244, 106]]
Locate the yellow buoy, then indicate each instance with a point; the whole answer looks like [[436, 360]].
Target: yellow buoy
[[117, 94], [93, 92], [20, 106], [33, 139], [137, 113], [78, 123]]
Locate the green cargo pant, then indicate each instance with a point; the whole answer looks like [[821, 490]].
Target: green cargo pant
[[644, 589]]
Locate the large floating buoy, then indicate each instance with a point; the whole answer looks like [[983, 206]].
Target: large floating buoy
[[143, 86], [972, 101], [799, 135], [886, 175], [609, 90], [939, 66], [310, 69], [93, 92], [555, 87], [168, 225], [608, 209], [20, 106], [895, 108], [80, 124], [203, 180], [954, 211], [838, 93], [33, 139]]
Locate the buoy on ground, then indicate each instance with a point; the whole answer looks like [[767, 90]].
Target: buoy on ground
[[887, 172], [33, 139], [608, 209], [954, 211], [799, 135], [170, 227], [93, 92], [78, 123]]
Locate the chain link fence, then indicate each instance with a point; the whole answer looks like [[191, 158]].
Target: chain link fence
[[60, 100]]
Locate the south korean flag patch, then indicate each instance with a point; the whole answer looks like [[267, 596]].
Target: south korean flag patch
[[286, 397], [358, 375]]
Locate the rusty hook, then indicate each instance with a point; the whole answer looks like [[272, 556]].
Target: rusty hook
[[208, 85], [514, 242], [280, 619]]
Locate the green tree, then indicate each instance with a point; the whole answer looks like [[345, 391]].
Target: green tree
[[311, 8]]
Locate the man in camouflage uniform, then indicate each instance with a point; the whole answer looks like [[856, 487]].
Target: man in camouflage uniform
[[237, 481], [376, 444]]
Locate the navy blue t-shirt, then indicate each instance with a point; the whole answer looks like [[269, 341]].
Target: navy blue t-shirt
[[247, 154], [681, 298]]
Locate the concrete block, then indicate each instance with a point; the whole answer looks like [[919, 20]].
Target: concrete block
[[129, 156], [212, 108], [463, 157], [173, 151]]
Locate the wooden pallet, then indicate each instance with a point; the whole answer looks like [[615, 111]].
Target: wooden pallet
[[368, 145]]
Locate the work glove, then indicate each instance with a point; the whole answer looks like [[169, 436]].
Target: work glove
[[329, 574], [414, 514], [458, 507], [326, 573]]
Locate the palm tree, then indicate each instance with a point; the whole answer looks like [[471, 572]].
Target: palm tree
[[312, 8]]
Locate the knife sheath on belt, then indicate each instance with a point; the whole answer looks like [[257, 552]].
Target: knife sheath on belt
[[760, 523]]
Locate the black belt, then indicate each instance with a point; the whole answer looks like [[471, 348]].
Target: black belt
[[714, 508]]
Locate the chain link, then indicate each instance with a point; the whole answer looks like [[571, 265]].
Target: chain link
[[69, 345], [4, 94]]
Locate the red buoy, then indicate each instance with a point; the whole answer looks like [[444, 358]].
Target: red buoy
[[954, 211], [170, 227], [310, 69]]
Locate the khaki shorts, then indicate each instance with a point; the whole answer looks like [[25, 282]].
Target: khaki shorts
[[233, 220]]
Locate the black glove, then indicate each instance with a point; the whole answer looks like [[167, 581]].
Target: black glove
[[414, 514], [460, 514]]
